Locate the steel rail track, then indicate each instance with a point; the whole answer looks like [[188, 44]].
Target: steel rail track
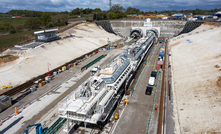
[[161, 107]]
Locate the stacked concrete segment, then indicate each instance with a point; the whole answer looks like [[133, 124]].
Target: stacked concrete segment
[[190, 26], [107, 26]]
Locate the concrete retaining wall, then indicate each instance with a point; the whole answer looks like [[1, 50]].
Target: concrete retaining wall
[[190, 26], [123, 27], [107, 26], [167, 28]]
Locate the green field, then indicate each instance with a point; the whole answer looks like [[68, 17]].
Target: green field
[[10, 40], [18, 37], [12, 21]]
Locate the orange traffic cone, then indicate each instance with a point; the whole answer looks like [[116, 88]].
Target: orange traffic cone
[[126, 102], [29, 103], [23, 107], [156, 108], [1, 121], [16, 111]]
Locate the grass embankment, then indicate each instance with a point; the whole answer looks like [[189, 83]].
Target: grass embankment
[[12, 21], [18, 37], [10, 40]]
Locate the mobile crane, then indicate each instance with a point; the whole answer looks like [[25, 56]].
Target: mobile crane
[[38, 128]]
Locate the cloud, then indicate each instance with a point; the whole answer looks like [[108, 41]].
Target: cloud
[[144, 5]]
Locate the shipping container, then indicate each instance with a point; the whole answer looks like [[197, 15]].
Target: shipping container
[[161, 53], [162, 49], [159, 65]]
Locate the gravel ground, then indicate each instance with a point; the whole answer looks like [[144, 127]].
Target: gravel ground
[[196, 81]]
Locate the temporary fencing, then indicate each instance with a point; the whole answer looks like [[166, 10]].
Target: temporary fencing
[[93, 62]]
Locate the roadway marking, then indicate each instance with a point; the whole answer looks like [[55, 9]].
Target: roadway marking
[[154, 63], [156, 59], [158, 76]]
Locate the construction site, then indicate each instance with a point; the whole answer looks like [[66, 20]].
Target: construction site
[[114, 77]]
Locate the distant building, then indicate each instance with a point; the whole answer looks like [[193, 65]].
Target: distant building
[[177, 17], [46, 35]]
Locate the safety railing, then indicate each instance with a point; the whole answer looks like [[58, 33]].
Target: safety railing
[[58, 126], [93, 62]]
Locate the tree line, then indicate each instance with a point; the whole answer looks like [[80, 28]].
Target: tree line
[[41, 21], [30, 13], [38, 19], [117, 9]]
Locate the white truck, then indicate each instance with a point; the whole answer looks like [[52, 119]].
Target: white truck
[[151, 81]]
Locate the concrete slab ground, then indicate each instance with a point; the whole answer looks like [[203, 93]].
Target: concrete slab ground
[[136, 115], [40, 111], [196, 81]]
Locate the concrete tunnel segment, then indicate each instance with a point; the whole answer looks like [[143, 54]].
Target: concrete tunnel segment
[[145, 30]]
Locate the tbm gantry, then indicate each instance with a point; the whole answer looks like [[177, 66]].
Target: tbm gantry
[[95, 98]]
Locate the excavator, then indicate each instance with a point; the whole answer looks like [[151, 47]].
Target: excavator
[[38, 128]]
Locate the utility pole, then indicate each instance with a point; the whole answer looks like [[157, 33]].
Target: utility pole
[[110, 3], [48, 69]]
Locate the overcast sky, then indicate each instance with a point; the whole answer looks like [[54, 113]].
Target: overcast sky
[[143, 5]]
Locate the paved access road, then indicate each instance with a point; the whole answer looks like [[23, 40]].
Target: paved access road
[[136, 115]]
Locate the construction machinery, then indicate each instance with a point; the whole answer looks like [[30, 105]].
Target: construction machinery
[[38, 128], [93, 101]]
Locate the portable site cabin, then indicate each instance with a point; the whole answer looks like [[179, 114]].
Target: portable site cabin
[[46, 35]]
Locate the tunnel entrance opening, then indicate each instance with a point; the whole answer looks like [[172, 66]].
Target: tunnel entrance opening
[[136, 33]]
